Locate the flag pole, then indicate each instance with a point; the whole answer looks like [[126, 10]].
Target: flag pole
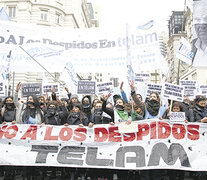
[[41, 66], [178, 74]]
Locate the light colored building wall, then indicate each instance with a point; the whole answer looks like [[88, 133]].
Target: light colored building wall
[[65, 13], [70, 13]]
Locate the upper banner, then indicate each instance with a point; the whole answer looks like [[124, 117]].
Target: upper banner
[[156, 145], [89, 50]]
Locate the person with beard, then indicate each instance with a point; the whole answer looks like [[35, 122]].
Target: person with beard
[[8, 111], [87, 107], [200, 110], [77, 117], [29, 113], [55, 116], [42, 102]]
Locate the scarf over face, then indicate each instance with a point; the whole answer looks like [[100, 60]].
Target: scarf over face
[[153, 107]]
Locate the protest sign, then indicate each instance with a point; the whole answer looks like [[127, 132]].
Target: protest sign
[[127, 128], [184, 52], [190, 87], [153, 88], [142, 78], [203, 90], [86, 87], [105, 88], [31, 89], [156, 145], [177, 117], [173, 92], [46, 88]]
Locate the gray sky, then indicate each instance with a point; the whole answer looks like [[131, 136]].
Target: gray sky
[[115, 12]]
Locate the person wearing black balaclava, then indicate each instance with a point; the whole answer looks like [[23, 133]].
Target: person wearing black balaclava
[[200, 110], [99, 117], [55, 115], [8, 111], [76, 117], [86, 104]]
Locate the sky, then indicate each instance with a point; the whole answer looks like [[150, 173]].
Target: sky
[[115, 12]]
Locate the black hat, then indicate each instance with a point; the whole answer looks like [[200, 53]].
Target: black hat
[[78, 105], [115, 97]]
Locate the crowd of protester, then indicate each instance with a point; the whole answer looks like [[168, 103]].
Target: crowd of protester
[[87, 112]]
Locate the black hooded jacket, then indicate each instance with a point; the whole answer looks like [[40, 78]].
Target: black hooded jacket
[[87, 107], [199, 113]]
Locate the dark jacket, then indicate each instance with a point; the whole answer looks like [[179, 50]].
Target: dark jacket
[[87, 107], [199, 113], [9, 115], [100, 118], [57, 117], [77, 119], [108, 111], [188, 112]]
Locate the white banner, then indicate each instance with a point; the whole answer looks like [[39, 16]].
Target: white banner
[[173, 92], [89, 50], [156, 145]]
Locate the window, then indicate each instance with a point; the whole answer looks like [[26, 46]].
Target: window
[[57, 18], [43, 15], [12, 12]]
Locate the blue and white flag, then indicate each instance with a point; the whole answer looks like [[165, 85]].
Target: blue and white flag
[[146, 26], [3, 15]]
